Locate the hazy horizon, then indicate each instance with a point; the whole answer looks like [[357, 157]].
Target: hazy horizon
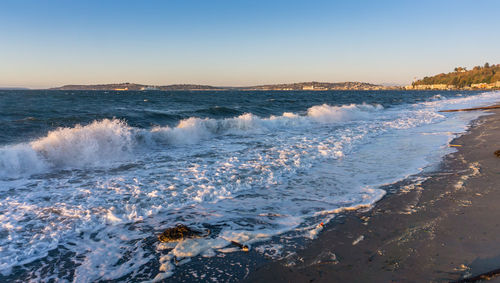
[[139, 83], [225, 43]]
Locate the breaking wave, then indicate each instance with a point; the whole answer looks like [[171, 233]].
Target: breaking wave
[[109, 140], [247, 178]]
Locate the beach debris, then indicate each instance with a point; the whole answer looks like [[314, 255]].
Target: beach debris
[[462, 267], [497, 153], [359, 239], [180, 232], [244, 248], [472, 109], [313, 233], [365, 219], [455, 145]]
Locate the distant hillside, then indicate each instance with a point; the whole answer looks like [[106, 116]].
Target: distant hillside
[[120, 86], [478, 77], [132, 86], [291, 86], [322, 86], [188, 87]]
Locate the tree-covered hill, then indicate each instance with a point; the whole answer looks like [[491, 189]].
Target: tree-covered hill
[[461, 77]]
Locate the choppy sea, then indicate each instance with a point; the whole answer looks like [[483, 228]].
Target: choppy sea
[[88, 179]]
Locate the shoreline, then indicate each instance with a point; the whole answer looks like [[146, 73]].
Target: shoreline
[[440, 228], [349, 230]]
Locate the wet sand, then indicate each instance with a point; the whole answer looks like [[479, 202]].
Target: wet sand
[[441, 229]]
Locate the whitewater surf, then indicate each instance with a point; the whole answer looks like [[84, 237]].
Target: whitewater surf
[[86, 187]]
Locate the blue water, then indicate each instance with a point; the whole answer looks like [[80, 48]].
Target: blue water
[[88, 179], [31, 114]]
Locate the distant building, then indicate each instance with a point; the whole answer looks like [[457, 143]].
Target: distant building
[[150, 87], [449, 87], [312, 87], [121, 89], [486, 86], [479, 85], [433, 86]]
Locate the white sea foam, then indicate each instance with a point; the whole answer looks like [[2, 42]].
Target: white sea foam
[[106, 141], [95, 143], [246, 178], [331, 114], [19, 158], [98, 143]]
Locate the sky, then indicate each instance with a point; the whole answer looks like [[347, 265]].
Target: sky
[[47, 43]]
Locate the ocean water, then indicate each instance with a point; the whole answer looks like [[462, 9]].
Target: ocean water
[[89, 179]]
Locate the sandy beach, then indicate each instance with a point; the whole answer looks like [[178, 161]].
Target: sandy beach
[[440, 226]]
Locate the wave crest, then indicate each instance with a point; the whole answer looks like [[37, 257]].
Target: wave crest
[[98, 143], [109, 140], [19, 159], [330, 114]]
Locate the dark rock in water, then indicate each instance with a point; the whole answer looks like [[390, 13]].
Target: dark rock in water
[[497, 153], [180, 232]]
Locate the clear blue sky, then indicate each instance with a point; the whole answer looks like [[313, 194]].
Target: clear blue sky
[[46, 43]]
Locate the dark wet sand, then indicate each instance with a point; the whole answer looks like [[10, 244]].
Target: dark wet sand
[[445, 229]]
